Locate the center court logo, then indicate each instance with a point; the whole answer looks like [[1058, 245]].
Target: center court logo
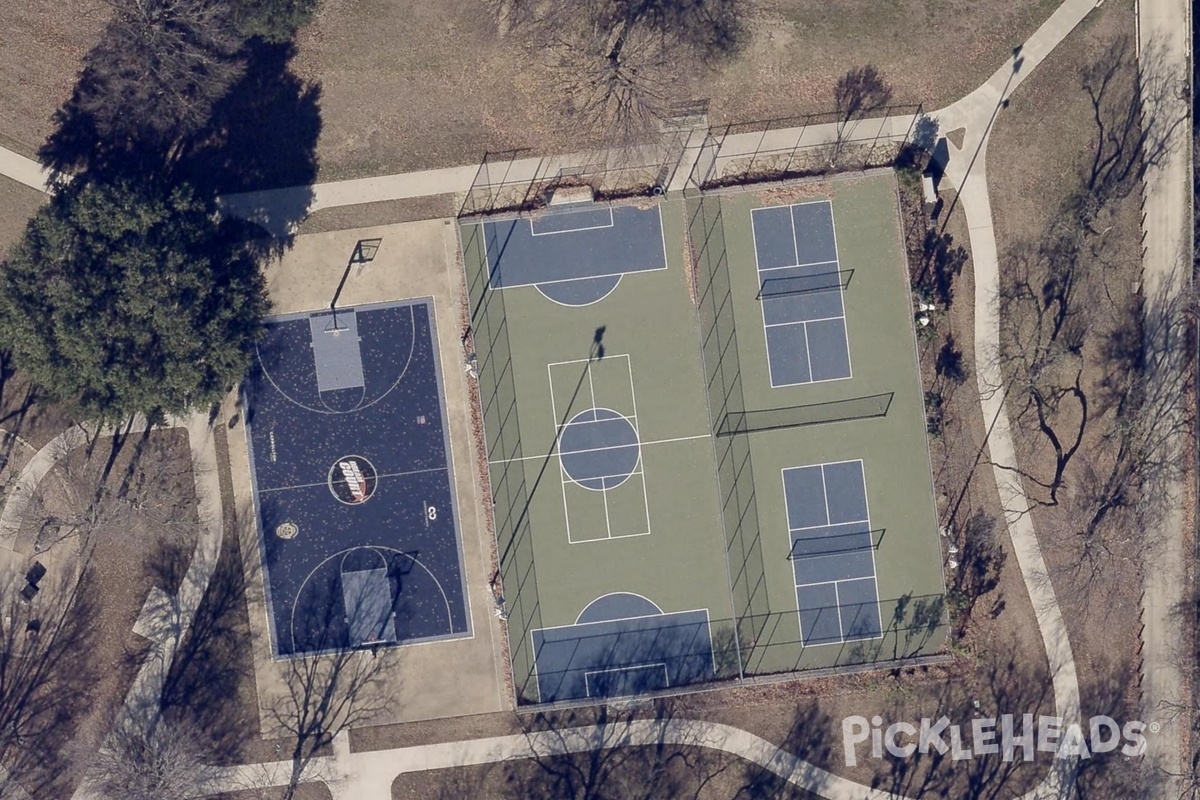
[[990, 736], [352, 479]]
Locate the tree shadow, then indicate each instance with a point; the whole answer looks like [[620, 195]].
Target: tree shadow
[[259, 133], [211, 661], [808, 739], [46, 682], [262, 135]]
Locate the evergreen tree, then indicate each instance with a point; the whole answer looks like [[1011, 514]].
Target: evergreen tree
[[130, 298]]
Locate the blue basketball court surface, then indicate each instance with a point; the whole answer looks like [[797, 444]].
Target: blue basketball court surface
[[353, 482], [832, 553], [801, 286], [575, 255]]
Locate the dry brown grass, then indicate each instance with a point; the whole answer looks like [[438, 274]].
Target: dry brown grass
[[42, 43], [419, 85], [1034, 160]]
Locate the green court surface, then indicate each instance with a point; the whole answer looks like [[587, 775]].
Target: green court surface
[[678, 504]]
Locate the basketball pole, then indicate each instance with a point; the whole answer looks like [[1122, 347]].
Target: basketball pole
[[358, 256]]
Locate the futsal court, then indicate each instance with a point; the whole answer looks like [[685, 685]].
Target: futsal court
[[353, 481], [690, 483]]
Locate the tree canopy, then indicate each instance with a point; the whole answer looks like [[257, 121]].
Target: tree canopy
[[129, 298]]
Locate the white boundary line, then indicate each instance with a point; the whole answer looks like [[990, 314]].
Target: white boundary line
[[565, 477], [378, 478], [542, 292], [441, 637], [805, 323], [533, 232], [592, 450], [362, 406], [554, 453], [874, 576], [633, 399], [648, 665], [658, 608], [762, 302], [803, 266]]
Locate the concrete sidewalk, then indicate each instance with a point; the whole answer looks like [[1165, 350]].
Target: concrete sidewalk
[[1164, 50]]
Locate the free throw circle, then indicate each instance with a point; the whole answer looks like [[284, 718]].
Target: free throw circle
[[599, 449]]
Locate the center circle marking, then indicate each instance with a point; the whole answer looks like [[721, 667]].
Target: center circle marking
[[352, 480], [599, 449]]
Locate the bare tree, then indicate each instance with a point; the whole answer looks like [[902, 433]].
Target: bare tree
[[627, 766], [324, 695], [158, 68], [165, 762], [1128, 92], [856, 94], [1041, 342], [622, 65], [83, 498]]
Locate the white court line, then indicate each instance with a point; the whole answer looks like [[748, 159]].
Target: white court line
[[610, 224], [804, 322], [830, 525], [378, 477], [542, 292], [762, 302], [565, 476], [657, 607], [775, 385], [707, 622], [624, 619], [633, 399], [507, 285], [649, 665], [825, 495], [561, 469], [802, 266]]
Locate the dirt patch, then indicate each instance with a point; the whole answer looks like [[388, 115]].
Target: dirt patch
[[369, 215], [415, 86]]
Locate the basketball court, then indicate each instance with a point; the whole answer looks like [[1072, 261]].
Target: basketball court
[[353, 481]]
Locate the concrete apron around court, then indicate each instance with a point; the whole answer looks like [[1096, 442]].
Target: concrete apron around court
[[423, 681]]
